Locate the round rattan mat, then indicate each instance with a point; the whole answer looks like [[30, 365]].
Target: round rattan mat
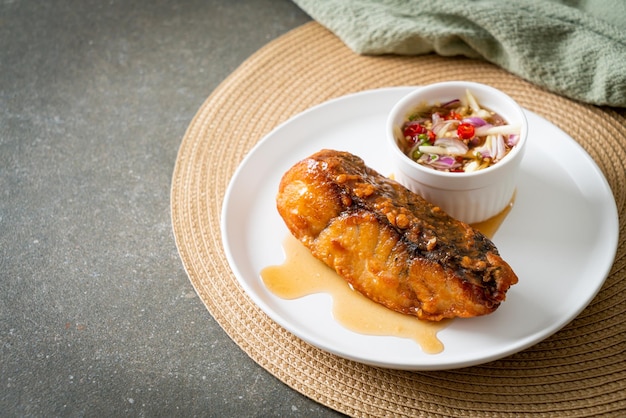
[[579, 371]]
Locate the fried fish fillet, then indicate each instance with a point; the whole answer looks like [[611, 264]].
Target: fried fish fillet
[[389, 243]]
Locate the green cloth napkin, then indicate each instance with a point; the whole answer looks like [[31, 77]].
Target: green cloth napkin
[[576, 48]]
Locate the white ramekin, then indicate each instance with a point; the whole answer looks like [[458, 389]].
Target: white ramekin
[[469, 197]]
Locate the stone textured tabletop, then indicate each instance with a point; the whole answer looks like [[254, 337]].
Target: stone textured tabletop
[[98, 317]]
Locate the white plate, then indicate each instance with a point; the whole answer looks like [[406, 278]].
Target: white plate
[[560, 237]]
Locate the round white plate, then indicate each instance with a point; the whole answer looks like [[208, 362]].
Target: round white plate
[[560, 237]]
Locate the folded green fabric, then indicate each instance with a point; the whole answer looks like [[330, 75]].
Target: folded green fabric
[[576, 48]]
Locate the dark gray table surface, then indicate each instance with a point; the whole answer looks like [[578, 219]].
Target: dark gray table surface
[[98, 317]]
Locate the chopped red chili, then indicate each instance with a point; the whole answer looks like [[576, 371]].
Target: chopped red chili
[[465, 131], [413, 129]]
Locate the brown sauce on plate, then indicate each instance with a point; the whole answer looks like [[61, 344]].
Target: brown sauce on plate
[[491, 225], [302, 274]]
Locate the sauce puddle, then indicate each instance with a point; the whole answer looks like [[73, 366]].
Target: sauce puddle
[[491, 225], [302, 274]]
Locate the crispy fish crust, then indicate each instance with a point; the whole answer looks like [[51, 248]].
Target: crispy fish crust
[[389, 243]]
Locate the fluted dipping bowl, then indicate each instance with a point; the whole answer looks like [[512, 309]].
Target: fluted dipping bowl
[[469, 197]]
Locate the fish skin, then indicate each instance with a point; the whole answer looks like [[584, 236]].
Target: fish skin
[[389, 243]]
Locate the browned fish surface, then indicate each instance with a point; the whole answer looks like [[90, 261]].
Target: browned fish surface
[[389, 243]]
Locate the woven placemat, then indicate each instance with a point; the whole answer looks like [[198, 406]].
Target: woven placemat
[[579, 371]]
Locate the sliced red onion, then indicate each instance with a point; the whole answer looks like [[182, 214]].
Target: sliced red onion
[[443, 163], [452, 145], [443, 126], [447, 160], [451, 102], [475, 120], [482, 130], [512, 140]]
